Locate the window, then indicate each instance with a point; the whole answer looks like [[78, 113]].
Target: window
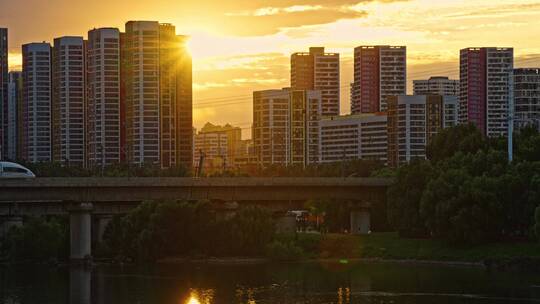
[[15, 170]]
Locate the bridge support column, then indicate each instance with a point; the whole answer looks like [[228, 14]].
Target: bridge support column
[[80, 285], [101, 221], [80, 231], [360, 221], [286, 223], [10, 222]]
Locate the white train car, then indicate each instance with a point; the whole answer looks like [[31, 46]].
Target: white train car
[[13, 170]]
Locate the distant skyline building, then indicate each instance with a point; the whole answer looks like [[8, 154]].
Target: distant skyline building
[[35, 112], [350, 137], [379, 71], [158, 95], [437, 85], [14, 101], [527, 97], [3, 92], [317, 70], [286, 126], [68, 103], [219, 144], [484, 88], [413, 120], [103, 97]]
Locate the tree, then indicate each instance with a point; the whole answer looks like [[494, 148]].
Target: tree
[[38, 240], [464, 138], [404, 198]]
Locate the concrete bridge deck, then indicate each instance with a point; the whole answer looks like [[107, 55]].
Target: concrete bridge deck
[[98, 190]]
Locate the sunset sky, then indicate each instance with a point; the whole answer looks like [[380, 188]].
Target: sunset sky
[[244, 45]]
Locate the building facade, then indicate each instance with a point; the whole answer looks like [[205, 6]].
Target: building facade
[[437, 85], [285, 126], [158, 95], [210, 141], [68, 103], [213, 147], [317, 70], [527, 97], [349, 137], [103, 97], [14, 101], [35, 126], [413, 121], [3, 92], [379, 71], [484, 88]]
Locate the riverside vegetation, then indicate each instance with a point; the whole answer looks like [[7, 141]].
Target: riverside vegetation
[[465, 202]]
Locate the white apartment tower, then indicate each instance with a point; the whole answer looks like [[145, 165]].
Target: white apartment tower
[[317, 70], [379, 71], [35, 111], [438, 85], [349, 137], [484, 88], [14, 100], [68, 102], [413, 120], [103, 97], [527, 97], [158, 95], [286, 126]]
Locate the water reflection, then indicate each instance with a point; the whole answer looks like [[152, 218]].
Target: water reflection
[[205, 296], [80, 285], [265, 284]]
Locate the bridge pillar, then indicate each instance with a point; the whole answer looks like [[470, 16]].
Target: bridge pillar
[[80, 285], [80, 231], [10, 222], [286, 223], [360, 221], [225, 210], [101, 221]]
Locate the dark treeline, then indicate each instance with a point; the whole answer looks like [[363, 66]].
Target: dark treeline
[[163, 229], [347, 168], [41, 239], [467, 192]]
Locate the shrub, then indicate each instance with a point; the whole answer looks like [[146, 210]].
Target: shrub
[[283, 251]]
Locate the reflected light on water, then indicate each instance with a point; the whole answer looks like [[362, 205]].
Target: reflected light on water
[[201, 296], [193, 300]]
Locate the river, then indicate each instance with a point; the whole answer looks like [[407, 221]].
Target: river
[[299, 283]]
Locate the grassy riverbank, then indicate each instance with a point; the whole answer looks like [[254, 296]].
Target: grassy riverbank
[[389, 246]]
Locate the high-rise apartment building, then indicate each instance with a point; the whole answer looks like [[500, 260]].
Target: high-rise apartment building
[[484, 88], [220, 146], [379, 71], [286, 126], [158, 95], [103, 97], [14, 100], [68, 102], [527, 97], [318, 70], [413, 120], [35, 111], [348, 137], [437, 85], [3, 91]]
